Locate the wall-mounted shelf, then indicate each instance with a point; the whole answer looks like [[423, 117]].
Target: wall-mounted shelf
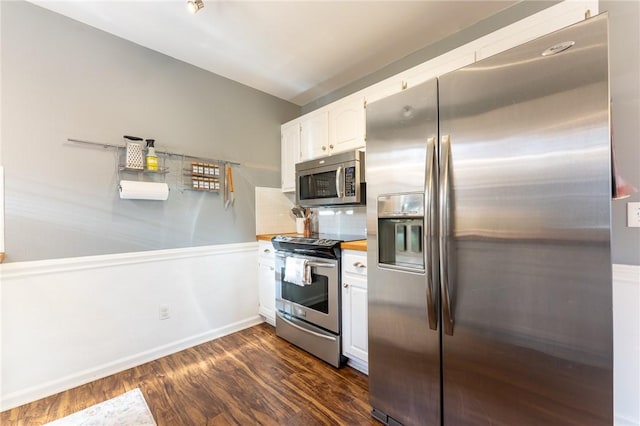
[[160, 171], [203, 175]]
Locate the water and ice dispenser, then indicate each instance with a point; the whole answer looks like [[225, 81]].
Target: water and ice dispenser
[[400, 231]]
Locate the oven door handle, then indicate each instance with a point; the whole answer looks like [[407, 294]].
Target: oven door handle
[[308, 252], [321, 264], [282, 317]]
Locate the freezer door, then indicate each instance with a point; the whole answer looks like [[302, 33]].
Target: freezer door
[[527, 267], [404, 352]]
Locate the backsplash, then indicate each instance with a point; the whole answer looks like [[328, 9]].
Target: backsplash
[[340, 220], [273, 212], [273, 215]]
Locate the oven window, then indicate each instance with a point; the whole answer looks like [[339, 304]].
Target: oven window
[[314, 296], [318, 185]]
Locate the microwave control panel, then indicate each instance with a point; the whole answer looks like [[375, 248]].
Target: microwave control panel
[[350, 181]]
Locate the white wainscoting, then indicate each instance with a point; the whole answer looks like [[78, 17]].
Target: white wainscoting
[[626, 344], [66, 322]]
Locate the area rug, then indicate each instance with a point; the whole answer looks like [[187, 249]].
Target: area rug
[[128, 409]]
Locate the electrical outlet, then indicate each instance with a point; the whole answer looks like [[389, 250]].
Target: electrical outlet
[[633, 215], [163, 312]]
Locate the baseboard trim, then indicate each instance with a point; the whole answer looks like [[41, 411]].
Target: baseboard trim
[[86, 376], [356, 364]]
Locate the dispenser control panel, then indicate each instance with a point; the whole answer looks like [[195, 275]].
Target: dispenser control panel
[[401, 231]]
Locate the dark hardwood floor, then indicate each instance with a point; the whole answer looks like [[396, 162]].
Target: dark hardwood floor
[[247, 378]]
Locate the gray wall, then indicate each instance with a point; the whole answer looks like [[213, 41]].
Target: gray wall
[[624, 18], [624, 65], [62, 79]]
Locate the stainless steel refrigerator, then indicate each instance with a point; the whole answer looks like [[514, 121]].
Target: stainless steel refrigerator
[[488, 221]]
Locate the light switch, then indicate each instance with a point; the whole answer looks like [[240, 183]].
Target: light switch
[[633, 215]]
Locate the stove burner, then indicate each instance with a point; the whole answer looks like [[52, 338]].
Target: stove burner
[[324, 242]]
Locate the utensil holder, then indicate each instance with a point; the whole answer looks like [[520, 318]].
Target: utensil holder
[[307, 227]]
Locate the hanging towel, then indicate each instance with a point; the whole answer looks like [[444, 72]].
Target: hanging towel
[[297, 271]]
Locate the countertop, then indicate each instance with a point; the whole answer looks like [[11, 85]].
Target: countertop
[[268, 237], [360, 245]]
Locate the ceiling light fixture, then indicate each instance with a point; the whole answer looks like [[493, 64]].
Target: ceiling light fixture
[[195, 5]]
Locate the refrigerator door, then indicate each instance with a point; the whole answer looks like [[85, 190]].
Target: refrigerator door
[[404, 347], [528, 280]]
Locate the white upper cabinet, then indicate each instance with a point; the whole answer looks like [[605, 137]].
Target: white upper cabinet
[[314, 135], [290, 154], [419, 74], [436, 67], [385, 88], [544, 22], [346, 124], [337, 128]]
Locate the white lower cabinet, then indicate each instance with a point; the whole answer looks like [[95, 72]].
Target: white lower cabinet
[[267, 282], [355, 332]]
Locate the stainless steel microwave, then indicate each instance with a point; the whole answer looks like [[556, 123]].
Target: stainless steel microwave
[[331, 181]]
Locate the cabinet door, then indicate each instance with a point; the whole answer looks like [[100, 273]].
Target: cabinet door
[[534, 26], [355, 333], [266, 282], [436, 67], [314, 135], [346, 125], [355, 339], [290, 154], [385, 88]]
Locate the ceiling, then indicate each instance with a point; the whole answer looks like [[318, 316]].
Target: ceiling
[[295, 50]]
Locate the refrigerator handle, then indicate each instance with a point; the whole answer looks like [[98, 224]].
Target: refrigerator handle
[[429, 208], [339, 180], [447, 315]]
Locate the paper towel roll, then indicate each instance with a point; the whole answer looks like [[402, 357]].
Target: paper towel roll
[[134, 190]]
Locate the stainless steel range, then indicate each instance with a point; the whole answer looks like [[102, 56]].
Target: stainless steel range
[[308, 311]]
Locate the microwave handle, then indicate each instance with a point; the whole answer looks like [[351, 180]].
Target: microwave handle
[[339, 181]]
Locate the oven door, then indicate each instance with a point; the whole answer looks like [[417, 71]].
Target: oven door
[[316, 303]]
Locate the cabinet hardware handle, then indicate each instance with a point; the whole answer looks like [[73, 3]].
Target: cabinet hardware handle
[[345, 285], [267, 251], [330, 146], [321, 264], [272, 268], [359, 265], [324, 148]]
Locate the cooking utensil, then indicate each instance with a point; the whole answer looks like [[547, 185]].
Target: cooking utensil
[[226, 187], [297, 211], [232, 195]]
